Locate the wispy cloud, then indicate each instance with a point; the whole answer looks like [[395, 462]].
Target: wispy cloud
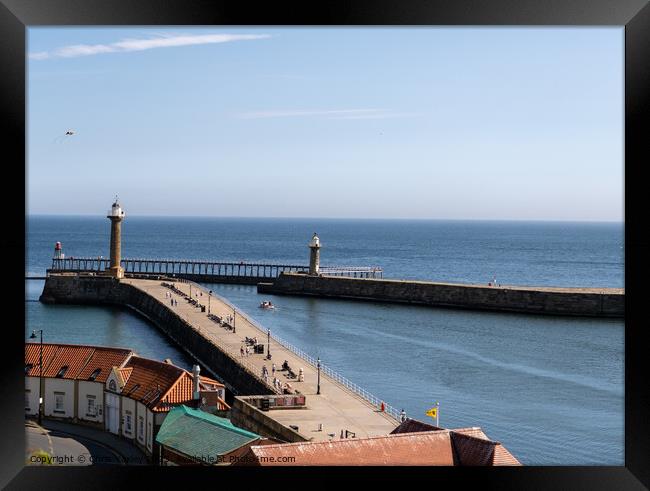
[[127, 45], [327, 113], [377, 115]]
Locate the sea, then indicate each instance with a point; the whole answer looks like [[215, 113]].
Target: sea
[[550, 389]]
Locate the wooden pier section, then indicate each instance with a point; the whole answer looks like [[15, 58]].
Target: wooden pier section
[[248, 273]]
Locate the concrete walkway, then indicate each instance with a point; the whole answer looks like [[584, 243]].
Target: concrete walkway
[[73, 444], [337, 408]]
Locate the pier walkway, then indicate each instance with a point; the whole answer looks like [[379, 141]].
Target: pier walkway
[[243, 272], [340, 406]]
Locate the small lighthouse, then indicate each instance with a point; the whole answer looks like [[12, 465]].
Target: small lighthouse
[[116, 215], [314, 256], [58, 251]]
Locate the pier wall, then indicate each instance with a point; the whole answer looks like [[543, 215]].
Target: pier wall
[[550, 301], [73, 289], [252, 419]]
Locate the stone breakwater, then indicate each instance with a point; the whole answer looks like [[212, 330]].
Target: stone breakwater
[[589, 302], [73, 289]]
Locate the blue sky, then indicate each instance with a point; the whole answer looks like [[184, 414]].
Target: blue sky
[[448, 123]]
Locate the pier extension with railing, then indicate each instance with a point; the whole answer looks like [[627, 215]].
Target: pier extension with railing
[[242, 272]]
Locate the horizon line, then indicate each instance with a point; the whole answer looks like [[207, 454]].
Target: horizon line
[[567, 220]]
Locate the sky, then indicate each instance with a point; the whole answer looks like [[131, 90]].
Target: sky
[[426, 123]]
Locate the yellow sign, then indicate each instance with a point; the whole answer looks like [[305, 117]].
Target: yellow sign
[[433, 412]]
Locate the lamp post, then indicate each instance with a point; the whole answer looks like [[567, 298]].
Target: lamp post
[[318, 366], [234, 317], [209, 296], [40, 378], [268, 342]]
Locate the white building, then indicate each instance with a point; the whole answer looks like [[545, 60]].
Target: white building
[[113, 389]]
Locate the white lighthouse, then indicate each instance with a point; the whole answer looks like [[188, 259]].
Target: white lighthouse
[[116, 215], [314, 257]]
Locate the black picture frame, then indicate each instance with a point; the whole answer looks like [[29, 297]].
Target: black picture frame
[[634, 15]]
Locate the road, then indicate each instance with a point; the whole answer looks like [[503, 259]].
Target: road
[[58, 443]]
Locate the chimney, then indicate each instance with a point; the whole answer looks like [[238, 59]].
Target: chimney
[[196, 370]]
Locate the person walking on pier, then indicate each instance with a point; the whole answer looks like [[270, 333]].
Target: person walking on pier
[[402, 416], [241, 350], [273, 369]]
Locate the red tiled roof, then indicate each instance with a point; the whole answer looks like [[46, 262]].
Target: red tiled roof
[[471, 445], [471, 450], [81, 360], [125, 373], [465, 447], [476, 450], [222, 405], [180, 391], [150, 380], [73, 357], [156, 384], [104, 359], [160, 385], [423, 448], [413, 426], [208, 380], [503, 457], [32, 356], [474, 431]]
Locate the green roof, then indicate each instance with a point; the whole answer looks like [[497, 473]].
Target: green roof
[[201, 435]]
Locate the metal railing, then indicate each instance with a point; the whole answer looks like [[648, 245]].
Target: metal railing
[[352, 271], [207, 268], [231, 352], [351, 386], [356, 389]]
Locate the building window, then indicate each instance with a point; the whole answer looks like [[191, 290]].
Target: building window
[[140, 427], [127, 421], [58, 402], [93, 375], [91, 408], [112, 386], [62, 371], [27, 400]]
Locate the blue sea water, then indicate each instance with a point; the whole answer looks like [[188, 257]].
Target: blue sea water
[[549, 388]]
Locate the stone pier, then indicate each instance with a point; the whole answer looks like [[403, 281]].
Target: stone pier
[[217, 348]]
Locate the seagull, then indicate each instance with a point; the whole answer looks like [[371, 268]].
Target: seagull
[[67, 133]]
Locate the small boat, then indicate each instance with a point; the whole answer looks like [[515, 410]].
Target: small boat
[[267, 305]]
